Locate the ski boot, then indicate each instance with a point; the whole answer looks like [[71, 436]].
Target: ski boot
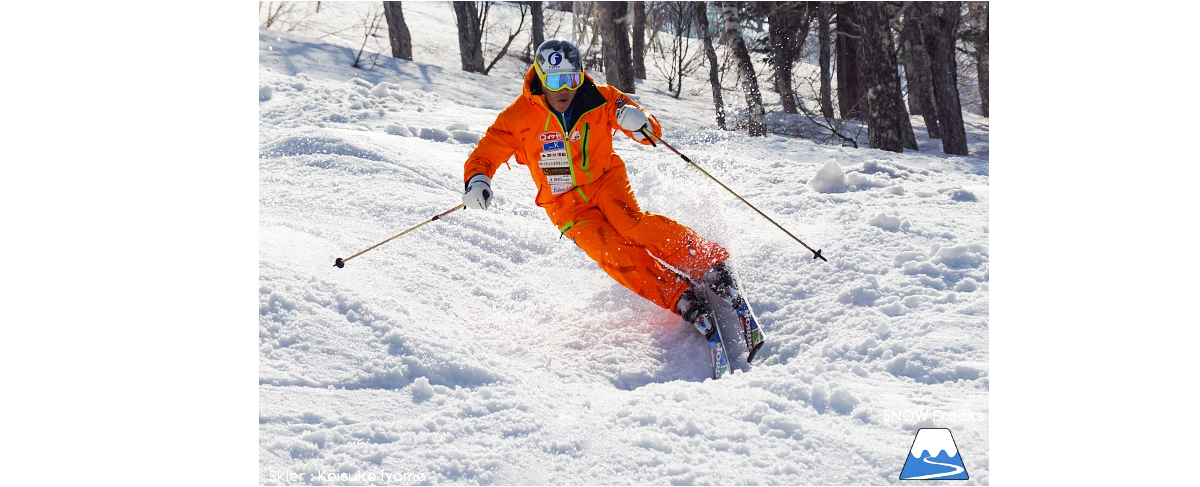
[[721, 281]]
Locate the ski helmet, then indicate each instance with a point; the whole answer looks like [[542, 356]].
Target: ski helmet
[[559, 65]]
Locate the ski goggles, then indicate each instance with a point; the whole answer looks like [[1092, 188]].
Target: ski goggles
[[560, 81]]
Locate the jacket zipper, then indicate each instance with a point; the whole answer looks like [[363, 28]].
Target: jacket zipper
[[567, 142]]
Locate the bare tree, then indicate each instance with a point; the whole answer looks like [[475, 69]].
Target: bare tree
[[917, 73], [275, 11], [756, 117], [371, 22], [639, 39], [523, 8], [714, 77], [585, 32], [398, 34], [940, 25], [976, 35], [846, 48], [787, 27], [470, 36], [282, 15], [539, 25], [822, 11], [677, 60], [881, 78], [618, 62]]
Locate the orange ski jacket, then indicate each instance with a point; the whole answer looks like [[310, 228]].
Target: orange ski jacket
[[560, 158]]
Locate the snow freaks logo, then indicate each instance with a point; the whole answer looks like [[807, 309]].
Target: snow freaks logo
[[933, 455]]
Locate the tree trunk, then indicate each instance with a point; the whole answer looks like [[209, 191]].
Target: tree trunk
[[981, 58], [906, 129], [917, 73], [826, 78], [756, 117], [714, 74], [639, 39], [539, 24], [849, 92], [618, 64], [942, 22], [979, 40], [470, 38], [885, 109], [398, 35], [781, 27]]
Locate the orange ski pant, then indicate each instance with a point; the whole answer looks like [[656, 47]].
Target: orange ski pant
[[624, 240]]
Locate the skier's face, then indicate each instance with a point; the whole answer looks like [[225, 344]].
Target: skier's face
[[560, 100]]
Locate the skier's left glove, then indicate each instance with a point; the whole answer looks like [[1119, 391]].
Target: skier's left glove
[[633, 119]]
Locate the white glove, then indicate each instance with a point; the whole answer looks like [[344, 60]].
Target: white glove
[[479, 192], [633, 119]]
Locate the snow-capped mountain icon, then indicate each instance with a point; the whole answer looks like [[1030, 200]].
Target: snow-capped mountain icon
[[933, 455]]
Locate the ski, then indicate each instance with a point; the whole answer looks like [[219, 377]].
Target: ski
[[729, 289], [751, 332], [720, 360]]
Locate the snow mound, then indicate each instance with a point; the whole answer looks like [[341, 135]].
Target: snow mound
[[962, 195], [380, 90], [962, 256], [829, 179], [842, 401], [396, 129], [435, 134], [889, 222], [860, 181]]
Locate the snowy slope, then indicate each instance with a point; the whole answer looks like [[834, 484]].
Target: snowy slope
[[482, 348]]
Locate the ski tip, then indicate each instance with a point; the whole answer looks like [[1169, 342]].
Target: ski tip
[[339, 263], [753, 351]]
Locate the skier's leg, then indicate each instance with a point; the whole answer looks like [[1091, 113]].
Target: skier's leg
[[663, 237], [626, 263]]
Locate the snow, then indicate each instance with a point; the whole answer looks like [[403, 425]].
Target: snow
[[149, 230], [829, 179], [482, 348]]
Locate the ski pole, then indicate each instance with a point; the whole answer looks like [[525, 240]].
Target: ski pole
[[652, 137], [340, 262]]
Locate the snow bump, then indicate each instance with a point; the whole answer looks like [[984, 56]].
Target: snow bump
[[829, 179]]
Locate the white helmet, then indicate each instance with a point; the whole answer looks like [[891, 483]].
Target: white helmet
[[559, 65]]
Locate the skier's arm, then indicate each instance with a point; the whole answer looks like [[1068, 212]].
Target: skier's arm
[[495, 148]]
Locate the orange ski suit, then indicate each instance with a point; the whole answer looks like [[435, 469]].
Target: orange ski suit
[[584, 189]]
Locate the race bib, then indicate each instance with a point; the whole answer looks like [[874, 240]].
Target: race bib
[[556, 167], [554, 159]]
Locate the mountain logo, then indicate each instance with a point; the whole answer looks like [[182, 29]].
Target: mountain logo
[[933, 455]]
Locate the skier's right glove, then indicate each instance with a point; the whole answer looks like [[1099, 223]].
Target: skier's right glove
[[478, 194], [634, 120]]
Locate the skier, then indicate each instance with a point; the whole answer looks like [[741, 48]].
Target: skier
[[562, 127]]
